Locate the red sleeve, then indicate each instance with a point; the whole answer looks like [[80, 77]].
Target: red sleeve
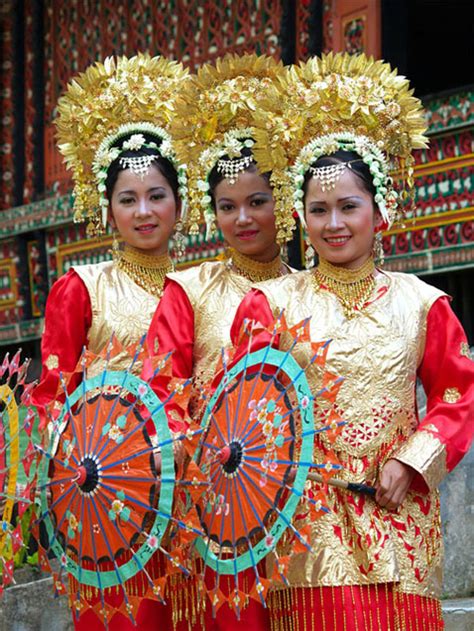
[[172, 329], [254, 306], [447, 374], [68, 318]]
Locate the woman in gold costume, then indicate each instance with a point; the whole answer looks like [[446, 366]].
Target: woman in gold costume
[[112, 129], [214, 135], [376, 562]]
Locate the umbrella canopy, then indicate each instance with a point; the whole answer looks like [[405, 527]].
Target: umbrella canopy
[[256, 453], [107, 484]]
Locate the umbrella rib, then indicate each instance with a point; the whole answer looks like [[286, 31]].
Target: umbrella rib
[[96, 413], [70, 415], [129, 434], [312, 465], [116, 567], [144, 505], [211, 522], [104, 374], [236, 577], [84, 416], [271, 381], [56, 460], [277, 510], [54, 504], [252, 555], [256, 377], [96, 561]]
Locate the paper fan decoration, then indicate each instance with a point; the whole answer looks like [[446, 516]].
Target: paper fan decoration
[[256, 453], [17, 459], [106, 509]]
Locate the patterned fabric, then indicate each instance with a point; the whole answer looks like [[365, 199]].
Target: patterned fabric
[[407, 331]]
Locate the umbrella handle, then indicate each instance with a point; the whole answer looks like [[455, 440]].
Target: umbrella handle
[[342, 484]]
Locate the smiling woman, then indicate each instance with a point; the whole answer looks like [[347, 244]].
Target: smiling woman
[[144, 206], [245, 214], [194, 316], [375, 562], [126, 174]]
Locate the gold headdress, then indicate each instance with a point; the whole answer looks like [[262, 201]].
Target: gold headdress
[[214, 119], [120, 99], [339, 102]]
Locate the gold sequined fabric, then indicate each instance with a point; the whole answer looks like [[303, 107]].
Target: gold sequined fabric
[[215, 291], [148, 272], [119, 306], [378, 351], [451, 395]]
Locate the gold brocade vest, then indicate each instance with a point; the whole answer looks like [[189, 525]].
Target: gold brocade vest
[[215, 292], [377, 352], [118, 306]]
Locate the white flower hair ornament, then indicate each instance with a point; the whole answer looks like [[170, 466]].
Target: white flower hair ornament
[[385, 197], [231, 148], [133, 133]]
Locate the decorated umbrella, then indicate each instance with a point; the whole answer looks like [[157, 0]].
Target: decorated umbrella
[[17, 455], [256, 452], [107, 482]]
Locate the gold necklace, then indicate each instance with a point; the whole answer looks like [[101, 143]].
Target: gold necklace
[[352, 287], [148, 272], [256, 271]]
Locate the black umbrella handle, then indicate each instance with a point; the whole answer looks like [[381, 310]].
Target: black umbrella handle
[[342, 484]]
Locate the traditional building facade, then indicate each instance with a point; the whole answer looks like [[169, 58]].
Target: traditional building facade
[[43, 43]]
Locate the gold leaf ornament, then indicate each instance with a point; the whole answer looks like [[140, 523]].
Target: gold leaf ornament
[[136, 94]]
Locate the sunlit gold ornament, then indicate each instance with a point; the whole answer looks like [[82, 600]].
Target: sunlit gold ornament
[[339, 101], [377, 249], [352, 287], [451, 395], [52, 362], [179, 242], [213, 121], [231, 169], [329, 175], [148, 272], [119, 99], [116, 251], [256, 271]]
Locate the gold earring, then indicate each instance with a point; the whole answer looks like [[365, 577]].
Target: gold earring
[[116, 251], [179, 242], [309, 254], [377, 249]]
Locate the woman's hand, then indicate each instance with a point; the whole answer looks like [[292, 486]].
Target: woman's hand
[[393, 484]]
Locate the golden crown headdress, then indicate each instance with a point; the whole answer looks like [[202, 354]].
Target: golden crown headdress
[[118, 101], [337, 102], [214, 119]]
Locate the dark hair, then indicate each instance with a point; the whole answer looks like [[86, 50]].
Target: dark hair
[[165, 167], [357, 166], [215, 177]]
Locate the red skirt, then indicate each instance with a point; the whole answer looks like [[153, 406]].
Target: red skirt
[[151, 614], [191, 609], [380, 607]]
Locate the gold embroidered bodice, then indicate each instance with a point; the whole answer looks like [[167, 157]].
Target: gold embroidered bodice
[[118, 306], [377, 352], [215, 292]]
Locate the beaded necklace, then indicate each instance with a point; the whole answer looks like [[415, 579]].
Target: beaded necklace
[[256, 271], [148, 272], [352, 287]]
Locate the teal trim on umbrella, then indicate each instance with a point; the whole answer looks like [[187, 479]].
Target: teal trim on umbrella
[[142, 391], [286, 363]]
